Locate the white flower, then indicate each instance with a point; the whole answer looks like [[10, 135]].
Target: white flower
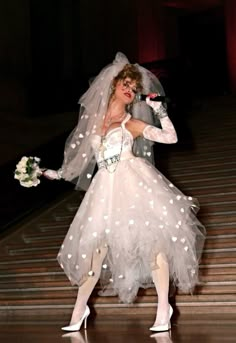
[[28, 171], [26, 183], [17, 176], [24, 159], [22, 170], [20, 165]]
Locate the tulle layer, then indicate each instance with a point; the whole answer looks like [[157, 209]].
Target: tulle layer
[[137, 213]]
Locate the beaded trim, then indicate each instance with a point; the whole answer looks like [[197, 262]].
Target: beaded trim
[[109, 161]]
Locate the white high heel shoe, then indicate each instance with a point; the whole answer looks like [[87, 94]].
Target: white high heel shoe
[[163, 327], [76, 327]]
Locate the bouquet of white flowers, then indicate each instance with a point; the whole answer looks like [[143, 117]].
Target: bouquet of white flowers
[[28, 171]]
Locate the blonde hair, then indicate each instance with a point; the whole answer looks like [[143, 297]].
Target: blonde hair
[[132, 72]]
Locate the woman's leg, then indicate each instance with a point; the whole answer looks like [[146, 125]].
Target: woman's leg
[[87, 287], [160, 277]]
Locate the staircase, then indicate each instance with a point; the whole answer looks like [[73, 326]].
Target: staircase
[[32, 283]]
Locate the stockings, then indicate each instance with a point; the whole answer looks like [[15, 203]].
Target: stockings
[[161, 280], [87, 287]]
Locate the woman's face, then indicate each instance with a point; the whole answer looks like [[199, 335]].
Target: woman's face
[[126, 90]]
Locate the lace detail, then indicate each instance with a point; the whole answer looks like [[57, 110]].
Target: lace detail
[[165, 135], [161, 112]]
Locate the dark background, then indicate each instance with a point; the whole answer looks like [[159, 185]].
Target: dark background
[[50, 48]]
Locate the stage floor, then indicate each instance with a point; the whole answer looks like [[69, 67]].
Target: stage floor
[[114, 329]]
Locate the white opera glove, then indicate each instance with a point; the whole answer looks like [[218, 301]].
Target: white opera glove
[[166, 134], [53, 174], [158, 108]]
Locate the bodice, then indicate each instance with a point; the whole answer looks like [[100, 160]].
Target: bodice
[[118, 141]]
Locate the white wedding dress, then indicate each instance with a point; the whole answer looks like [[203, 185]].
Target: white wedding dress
[[135, 211]]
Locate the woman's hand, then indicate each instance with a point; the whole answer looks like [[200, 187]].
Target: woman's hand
[[158, 108], [51, 174], [154, 104]]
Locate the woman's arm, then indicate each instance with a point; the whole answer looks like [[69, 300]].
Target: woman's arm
[[166, 134], [53, 174]]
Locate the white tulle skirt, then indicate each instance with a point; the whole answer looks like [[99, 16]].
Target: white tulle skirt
[[137, 213]]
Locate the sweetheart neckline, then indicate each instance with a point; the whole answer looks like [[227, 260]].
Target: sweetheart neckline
[[122, 125], [118, 127], [115, 128]]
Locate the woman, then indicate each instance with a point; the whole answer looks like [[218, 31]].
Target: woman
[[133, 226]]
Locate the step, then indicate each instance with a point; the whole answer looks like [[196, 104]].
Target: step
[[207, 167], [209, 164], [193, 175], [52, 253], [44, 281], [67, 294], [50, 226], [221, 226], [34, 250], [221, 197], [207, 181], [47, 264], [205, 189], [212, 242], [216, 208], [225, 218], [51, 265], [37, 241], [176, 162], [64, 311], [218, 230], [35, 270], [220, 244], [208, 260], [30, 239], [184, 304]]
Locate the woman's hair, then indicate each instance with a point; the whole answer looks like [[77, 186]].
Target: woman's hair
[[132, 72]]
